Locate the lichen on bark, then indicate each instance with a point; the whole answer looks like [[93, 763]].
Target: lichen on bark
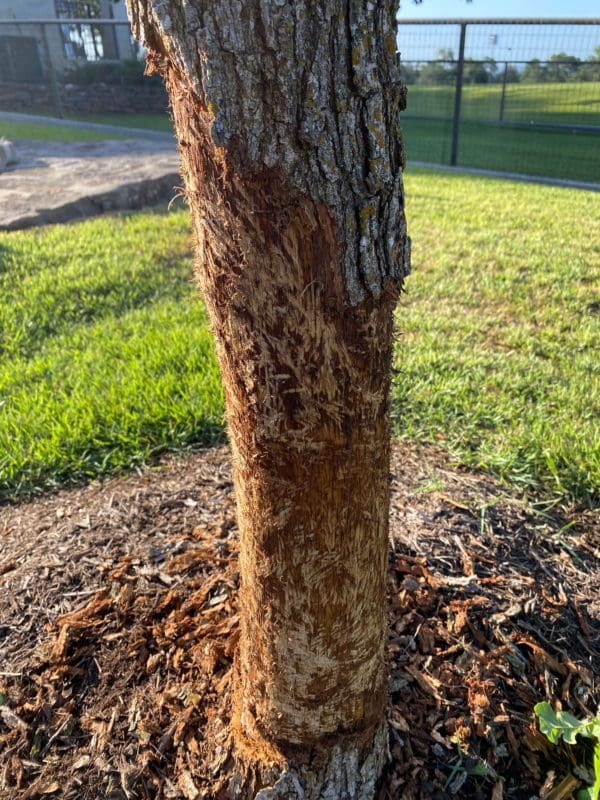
[[311, 88], [286, 115]]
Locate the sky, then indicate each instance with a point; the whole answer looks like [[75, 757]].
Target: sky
[[517, 43], [450, 9]]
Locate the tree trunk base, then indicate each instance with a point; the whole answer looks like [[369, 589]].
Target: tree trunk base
[[344, 768]]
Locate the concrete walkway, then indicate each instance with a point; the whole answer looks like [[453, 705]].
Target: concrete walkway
[[60, 181]]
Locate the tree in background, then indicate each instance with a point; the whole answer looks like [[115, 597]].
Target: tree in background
[[508, 74], [480, 70], [562, 67], [440, 72], [409, 72], [287, 119], [590, 68], [534, 72]]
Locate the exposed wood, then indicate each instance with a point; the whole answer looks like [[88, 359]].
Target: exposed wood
[[287, 121], [310, 90], [146, 681]]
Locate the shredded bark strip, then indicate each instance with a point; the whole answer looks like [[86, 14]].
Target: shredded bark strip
[[119, 620]]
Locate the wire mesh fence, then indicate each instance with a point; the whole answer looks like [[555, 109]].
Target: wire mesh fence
[[72, 67], [509, 95], [517, 96]]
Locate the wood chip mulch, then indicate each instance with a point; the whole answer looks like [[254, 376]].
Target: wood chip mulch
[[118, 623]]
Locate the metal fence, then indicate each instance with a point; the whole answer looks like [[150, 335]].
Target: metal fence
[[508, 95], [517, 96], [58, 65]]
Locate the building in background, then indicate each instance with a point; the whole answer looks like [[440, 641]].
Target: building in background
[[29, 49]]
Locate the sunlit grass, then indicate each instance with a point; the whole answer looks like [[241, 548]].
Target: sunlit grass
[[562, 103], [500, 354], [49, 133], [548, 153], [106, 353], [107, 356]]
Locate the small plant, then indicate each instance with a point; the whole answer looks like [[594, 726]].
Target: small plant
[[557, 725], [466, 766]]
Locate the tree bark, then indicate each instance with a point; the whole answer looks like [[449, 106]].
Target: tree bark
[[286, 117]]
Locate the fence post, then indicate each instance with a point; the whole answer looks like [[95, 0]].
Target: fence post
[[54, 90], [458, 95], [503, 95]]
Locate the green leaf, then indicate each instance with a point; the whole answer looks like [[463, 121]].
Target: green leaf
[[570, 726], [585, 794], [595, 789], [547, 721], [560, 724], [592, 729], [557, 725], [480, 770]]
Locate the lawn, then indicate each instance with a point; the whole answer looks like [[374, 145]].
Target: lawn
[[560, 103], [499, 352], [516, 146], [62, 133], [550, 153], [150, 121], [106, 354], [50, 133], [107, 357]]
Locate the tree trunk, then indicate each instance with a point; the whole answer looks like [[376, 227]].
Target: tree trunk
[[286, 116]]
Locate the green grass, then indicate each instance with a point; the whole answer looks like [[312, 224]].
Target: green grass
[[561, 103], [553, 153], [151, 121], [62, 133], [107, 357], [106, 353], [550, 153], [499, 357], [49, 133]]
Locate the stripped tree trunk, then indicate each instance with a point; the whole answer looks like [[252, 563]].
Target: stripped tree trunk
[[286, 116]]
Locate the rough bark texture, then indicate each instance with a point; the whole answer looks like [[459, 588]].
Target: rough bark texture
[[287, 121]]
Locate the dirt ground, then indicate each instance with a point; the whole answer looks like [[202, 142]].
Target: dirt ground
[[118, 623]]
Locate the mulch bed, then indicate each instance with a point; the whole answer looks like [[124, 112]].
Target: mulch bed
[[118, 623]]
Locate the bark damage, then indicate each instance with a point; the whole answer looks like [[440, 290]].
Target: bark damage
[[312, 89], [286, 116]]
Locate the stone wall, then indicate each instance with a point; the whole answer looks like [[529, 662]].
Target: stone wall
[[95, 98]]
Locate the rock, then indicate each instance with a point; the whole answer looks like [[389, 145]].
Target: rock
[[8, 154], [60, 181]]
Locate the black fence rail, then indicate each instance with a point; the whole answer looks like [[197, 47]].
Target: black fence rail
[[519, 96]]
